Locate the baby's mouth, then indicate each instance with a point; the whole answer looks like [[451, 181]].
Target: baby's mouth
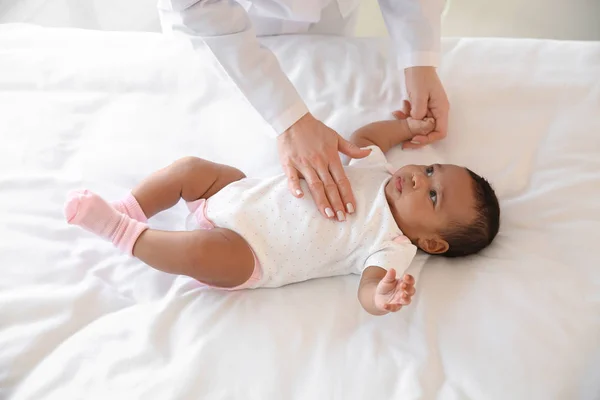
[[399, 184]]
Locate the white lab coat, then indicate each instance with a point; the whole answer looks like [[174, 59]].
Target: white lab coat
[[230, 28]]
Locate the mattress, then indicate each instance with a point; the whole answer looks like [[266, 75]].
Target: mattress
[[101, 110]]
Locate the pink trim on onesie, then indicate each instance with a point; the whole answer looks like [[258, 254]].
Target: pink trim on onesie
[[198, 208], [401, 239]]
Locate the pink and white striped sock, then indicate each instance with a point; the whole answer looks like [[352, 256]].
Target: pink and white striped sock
[[92, 213], [130, 207]]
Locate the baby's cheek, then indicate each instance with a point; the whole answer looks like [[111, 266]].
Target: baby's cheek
[[419, 212], [413, 205]]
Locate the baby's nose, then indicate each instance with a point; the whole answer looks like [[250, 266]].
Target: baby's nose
[[418, 181]]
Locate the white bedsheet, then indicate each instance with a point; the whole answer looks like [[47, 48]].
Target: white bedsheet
[[102, 110], [106, 15]]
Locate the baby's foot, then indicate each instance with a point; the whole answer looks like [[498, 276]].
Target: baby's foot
[[420, 127], [92, 213]]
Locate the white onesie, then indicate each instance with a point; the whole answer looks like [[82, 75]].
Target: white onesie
[[291, 239]]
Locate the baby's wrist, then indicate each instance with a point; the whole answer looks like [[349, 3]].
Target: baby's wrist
[[404, 129]]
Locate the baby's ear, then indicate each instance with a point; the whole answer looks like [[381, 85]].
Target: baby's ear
[[434, 245]]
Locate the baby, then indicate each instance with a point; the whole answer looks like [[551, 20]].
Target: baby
[[251, 233]]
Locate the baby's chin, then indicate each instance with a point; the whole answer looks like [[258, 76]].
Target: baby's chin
[[391, 196], [390, 193]]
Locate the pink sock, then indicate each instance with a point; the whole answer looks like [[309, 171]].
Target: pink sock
[[130, 207], [91, 212]]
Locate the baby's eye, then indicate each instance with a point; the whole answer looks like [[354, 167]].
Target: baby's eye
[[429, 171], [433, 196]]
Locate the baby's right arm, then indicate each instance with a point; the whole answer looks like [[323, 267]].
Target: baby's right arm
[[380, 292], [387, 134]]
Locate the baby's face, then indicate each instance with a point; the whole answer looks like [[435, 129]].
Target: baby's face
[[425, 200]]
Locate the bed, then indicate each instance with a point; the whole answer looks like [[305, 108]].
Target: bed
[[101, 110]]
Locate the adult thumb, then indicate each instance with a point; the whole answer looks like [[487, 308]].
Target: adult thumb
[[351, 150], [419, 106]]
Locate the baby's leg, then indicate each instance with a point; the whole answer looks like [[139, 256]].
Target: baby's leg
[[218, 257], [190, 178]]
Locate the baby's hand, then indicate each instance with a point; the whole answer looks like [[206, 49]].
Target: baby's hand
[[416, 129], [392, 293], [420, 127]]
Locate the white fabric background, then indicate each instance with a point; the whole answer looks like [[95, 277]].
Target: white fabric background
[[107, 15], [102, 110]]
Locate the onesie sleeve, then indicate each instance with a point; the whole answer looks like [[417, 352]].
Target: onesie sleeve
[[397, 254], [376, 158]]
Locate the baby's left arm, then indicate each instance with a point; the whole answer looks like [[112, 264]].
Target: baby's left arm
[[380, 292], [387, 134]]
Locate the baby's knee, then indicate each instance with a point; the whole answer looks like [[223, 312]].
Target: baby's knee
[[221, 258], [195, 175], [232, 174], [189, 164], [193, 166]]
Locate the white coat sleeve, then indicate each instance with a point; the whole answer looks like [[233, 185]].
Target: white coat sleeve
[[415, 29], [224, 27]]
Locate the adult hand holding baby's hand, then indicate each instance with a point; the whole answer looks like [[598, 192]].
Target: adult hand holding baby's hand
[[416, 129], [428, 99], [393, 293]]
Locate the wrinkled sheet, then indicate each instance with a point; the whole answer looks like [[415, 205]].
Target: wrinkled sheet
[[105, 15], [102, 110]]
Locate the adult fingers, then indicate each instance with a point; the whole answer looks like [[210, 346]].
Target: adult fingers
[[434, 136], [350, 149], [332, 191], [317, 189], [400, 114], [440, 113], [419, 102], [293, 181], [441, 125], [416, 142], [406, 107], [343, 187]]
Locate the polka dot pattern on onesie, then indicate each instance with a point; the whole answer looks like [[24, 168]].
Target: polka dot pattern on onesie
[[294, 242]]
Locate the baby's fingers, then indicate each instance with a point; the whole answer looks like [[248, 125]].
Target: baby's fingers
[[401, 298], [392, 307], [420, 127], [408, 279], [408, 289], [390, 276]]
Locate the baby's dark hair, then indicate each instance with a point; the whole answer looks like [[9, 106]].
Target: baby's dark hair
[[464, 240]]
